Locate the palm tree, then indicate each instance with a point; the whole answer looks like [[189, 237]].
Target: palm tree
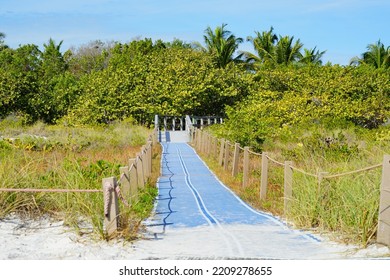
[[264, 45], [376, 55], [274, 50], [286, 52], [311, 56], [222, 44]]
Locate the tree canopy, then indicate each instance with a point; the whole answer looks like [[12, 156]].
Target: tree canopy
[[101, 82]]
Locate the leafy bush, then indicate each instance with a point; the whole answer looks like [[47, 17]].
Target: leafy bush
[[291, 97]]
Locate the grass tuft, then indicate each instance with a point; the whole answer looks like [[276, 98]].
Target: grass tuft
[[58, 157]]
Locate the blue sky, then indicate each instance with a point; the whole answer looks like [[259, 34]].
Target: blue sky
[[343, 28]]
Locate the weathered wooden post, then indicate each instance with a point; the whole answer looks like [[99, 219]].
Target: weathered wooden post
[[204, 137], [125, 181], [150, 157], [157, 128], [264, 176], [245, 178], [140, 175], [215, 148], [209, 142], [194, 137], [201, 141], [383, 235], [133, 177], [226, 157], [111, 207], [236, 158], [145, 164], [221, 150], [288, 181]]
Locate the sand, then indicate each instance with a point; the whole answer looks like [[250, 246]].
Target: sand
[[46, 239]]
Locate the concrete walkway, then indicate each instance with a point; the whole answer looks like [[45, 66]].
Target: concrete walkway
[[196, 216]]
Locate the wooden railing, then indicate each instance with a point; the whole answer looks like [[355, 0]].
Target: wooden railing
[[232, 157], [133, 178]]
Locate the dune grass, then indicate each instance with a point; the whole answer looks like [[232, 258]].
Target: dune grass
[[57, 157], [344, 207]]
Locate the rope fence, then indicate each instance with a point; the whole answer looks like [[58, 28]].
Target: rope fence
[[237, 159], [125, 189], [49, 190]]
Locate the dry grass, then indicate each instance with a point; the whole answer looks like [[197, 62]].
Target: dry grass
[[346, 206], [70, 158]]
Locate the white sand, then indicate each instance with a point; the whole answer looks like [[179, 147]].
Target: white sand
[[48, 240]]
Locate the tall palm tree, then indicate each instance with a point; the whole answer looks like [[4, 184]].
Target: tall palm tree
[[274, 50], [264, 45], [222, 44], [376, 55], [286, 52], [311, 56]]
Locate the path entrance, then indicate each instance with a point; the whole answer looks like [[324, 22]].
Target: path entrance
[[196, 216]]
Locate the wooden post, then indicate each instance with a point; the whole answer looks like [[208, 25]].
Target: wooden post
[[190, 131], [245, 178], [111, 207], [383, 235], [133, 178], [201, 144], [221, 150], [155, 137], [140, 175], [194, 137], [209, 142], [204, 142], [204, 136], [142, 156], [288, 181], [150, 157], [199, 141], [264, 176], [226, 157], [125, 181], [215, 148], [236, 158]]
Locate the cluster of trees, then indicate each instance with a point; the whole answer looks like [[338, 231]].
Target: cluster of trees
[[282, 100], [103, 82]]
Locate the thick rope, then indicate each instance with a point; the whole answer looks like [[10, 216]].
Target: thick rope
[[353, 172], [49, 190], [303, 172], [275, 161], [256, 154], [108, 187], [118, 190]]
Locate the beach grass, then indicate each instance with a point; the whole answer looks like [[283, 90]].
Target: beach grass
[[59, 157]]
